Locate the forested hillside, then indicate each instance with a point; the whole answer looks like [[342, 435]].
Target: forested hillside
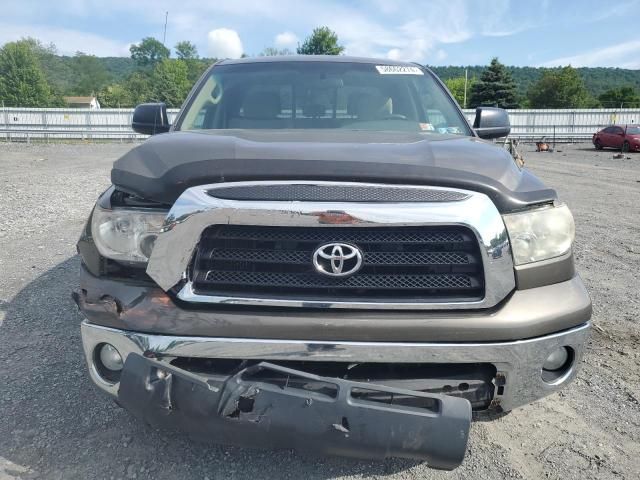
[[597, 80], [35, 75], [60, 72]]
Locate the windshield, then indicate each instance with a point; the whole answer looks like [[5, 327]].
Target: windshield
[[322, 95], [633, 130]]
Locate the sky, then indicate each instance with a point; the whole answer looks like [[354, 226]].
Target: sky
[[448, 32]]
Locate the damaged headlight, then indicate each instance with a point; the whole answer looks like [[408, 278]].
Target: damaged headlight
[[540, 234], [126, 234]]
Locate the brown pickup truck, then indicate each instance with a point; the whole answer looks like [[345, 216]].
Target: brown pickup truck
[[321, 253]]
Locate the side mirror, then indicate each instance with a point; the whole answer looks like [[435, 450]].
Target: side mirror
[[491, 122], [150, 118]]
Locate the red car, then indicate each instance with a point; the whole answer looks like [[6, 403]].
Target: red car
[[623, 137]]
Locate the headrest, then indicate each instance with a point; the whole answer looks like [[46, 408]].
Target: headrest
[[352, 103], [314, 110], [261, 104], [371, 107]]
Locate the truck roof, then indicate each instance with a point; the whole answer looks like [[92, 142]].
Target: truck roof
[[315, 58]]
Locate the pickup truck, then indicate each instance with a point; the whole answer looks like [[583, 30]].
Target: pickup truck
[[321, 253]]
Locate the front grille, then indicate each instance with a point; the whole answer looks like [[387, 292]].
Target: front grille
[[337, 193], [399, 263]]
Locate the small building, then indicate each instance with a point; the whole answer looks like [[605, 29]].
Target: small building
[[83, 102]]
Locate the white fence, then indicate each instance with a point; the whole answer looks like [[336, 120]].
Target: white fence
[[24, 124], [566, 125]]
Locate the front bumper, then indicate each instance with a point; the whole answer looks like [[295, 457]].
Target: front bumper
[[331, 417], [124, 304], [518, 363], [150, 330]]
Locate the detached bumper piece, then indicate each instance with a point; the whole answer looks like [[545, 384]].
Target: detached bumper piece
[[267, 405]]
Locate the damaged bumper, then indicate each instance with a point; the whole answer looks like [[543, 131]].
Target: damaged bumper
[[495, 363], [277, 407], [517, 365]]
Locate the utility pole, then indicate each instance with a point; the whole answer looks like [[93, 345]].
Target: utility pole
[[164, 35], [466, 78]]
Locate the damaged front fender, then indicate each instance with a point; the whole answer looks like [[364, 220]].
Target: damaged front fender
[[267, 405]]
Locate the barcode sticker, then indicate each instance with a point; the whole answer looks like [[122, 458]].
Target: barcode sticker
[[398, 70]]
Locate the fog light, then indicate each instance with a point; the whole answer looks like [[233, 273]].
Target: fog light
[[556, 360], [110, 358]]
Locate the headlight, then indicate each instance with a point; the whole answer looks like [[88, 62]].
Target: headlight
[[126, 234], [540, 234]]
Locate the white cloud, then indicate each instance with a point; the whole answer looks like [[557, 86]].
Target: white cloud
[[405, 34], [622, 55], [286, 40], [394, 54], [67, 41], [404, 29], [225, 43]]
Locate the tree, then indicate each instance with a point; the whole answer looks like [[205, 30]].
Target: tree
[[22, 82], [115, 96], [623, 97], [196, 68], [495, 88], [90, 74], [58, 70], [274, 52], [138, 88], [170, 83], [322, 41], [559, 88], [149, 52], [186, 50], [456, 87]]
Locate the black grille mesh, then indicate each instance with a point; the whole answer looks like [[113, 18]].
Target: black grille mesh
[[399, 264], [378, 258], [336, 193], [387, 282], [369, 235]]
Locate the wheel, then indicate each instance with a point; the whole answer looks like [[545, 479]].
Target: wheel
[[598, 144], [625, 146]]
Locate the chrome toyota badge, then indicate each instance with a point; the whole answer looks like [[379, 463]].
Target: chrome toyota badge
[[337, 259]]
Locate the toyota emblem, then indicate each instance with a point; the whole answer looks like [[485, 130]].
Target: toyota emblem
[[337, 259]]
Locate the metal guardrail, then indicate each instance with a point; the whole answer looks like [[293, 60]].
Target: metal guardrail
[[45, 124], [12, 135], [42, 124], [566, 125]]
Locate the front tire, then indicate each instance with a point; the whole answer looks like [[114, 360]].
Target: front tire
[[625, 146]]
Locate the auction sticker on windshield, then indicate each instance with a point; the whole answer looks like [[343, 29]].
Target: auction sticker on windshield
[[398, 70]]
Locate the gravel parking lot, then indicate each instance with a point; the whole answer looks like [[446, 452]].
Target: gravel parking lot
[[55, 425]]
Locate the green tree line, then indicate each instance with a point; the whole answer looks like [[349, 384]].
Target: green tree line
[[35, 75], [529, 87]]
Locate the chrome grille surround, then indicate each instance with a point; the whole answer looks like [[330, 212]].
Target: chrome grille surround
[[198, 208]]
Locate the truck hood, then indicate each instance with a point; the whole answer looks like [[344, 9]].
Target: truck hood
[[165, 165]]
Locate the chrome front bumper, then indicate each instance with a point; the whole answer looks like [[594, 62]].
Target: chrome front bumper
[[518, 363]]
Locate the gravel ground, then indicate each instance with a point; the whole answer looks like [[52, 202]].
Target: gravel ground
[[55, 425]]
